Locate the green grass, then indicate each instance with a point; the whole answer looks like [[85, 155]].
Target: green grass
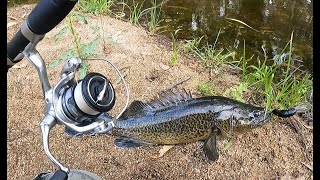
[[280, 84], [270, 84], [154, 17], [211, 57], [237, 92], [206, 89], [135, 12], [192, 45], [95, 6], [175, 50]]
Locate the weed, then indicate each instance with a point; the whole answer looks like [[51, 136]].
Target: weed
[[154, 20], [243, 23], [79, 49], [279, 92], [227, 145], [135, 12], [122, 13], [95, 6], [175, 50], [244, 61], [206, 89], [60, 33], [273, 84], [192, 45], [237, 92], [211, 57]]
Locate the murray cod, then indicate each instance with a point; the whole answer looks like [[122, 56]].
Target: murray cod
[[178, 118]]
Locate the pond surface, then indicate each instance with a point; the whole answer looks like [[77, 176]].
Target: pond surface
[[271, 22]]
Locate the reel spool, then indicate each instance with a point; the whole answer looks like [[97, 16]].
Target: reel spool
[[88, 98]]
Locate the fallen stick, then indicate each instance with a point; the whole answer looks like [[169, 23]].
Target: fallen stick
[[308, 166], [176, 84]]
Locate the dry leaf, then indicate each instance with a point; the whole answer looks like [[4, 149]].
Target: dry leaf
[[116, 35], [162, 151], [12, 23], [164, 67], [20, 65]]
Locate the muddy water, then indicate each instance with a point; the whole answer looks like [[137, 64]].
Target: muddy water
[[271, 22]]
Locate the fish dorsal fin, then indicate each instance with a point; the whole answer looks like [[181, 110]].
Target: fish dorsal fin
[[170, 97], [135, 108], [166, 98]]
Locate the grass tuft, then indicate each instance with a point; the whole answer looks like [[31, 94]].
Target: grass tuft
[[95, 6], [206, 89], [271, 84]]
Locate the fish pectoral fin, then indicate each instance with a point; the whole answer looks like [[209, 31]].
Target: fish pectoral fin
[[210, 146], [162, 151], [122, 142]]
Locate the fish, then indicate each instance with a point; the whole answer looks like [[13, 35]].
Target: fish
[[178, 118]]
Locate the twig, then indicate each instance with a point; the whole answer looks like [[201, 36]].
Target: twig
[[297, 127], [176, 84], [125, 73], [307, 165], [11, 17], [241, 22], [296, 118]]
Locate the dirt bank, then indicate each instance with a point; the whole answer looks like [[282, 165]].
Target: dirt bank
[[273, 151]]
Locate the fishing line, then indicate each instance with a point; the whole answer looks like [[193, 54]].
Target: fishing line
[[124, 85]]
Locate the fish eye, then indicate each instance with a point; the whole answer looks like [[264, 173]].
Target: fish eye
[[256, 113]]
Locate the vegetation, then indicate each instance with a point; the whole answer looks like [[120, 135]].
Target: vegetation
[[79, 49], [275, 85], [175, 49], [135, 12], [206, 89], [210, 57], [192, 45], [95, 6], [289, 89], [154, 17]]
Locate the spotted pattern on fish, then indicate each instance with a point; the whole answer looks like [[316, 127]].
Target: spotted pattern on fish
[[177, 131]]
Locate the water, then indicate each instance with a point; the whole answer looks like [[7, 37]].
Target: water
[[272, 21]]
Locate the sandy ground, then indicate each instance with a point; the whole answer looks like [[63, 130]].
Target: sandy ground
[[273, 151]]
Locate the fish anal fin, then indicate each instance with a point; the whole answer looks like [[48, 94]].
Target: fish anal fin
[[210, 146], [122, 142]]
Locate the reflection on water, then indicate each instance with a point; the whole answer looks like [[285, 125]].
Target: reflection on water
[[272, 22]]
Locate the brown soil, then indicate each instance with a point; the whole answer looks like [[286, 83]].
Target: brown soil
[[273, 151]]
